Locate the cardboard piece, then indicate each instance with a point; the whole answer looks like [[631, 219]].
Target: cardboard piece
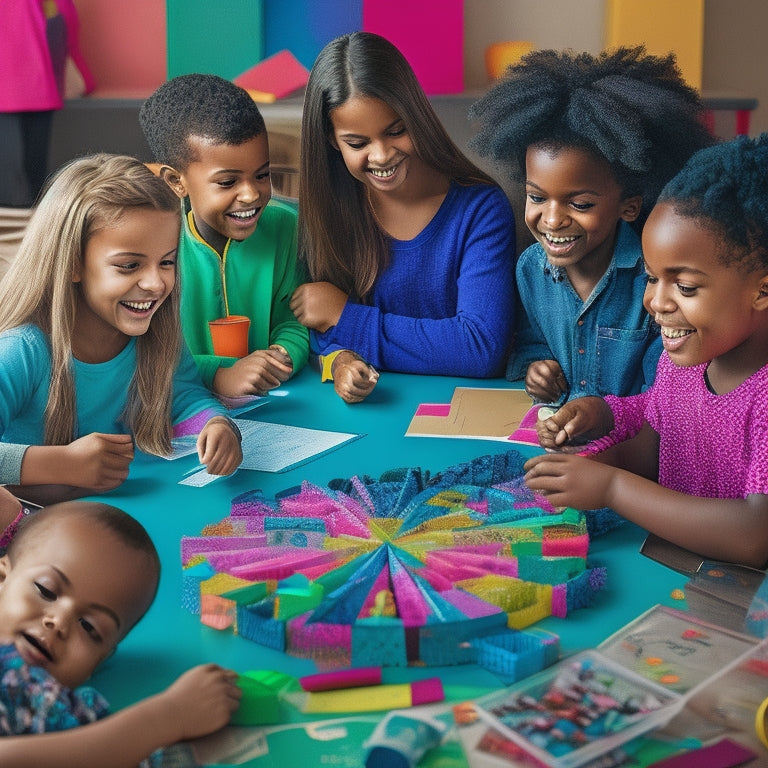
[[484, 414]]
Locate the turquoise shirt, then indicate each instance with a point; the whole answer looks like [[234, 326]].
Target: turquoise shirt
[[101, 392], [254, 277]]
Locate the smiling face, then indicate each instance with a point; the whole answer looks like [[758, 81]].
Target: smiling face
[[374, 143], [573, 205], [707, 310], [70, 594], [128, 270], [228, 187]]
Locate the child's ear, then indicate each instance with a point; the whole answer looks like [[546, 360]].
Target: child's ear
[[630, 207], [5, 568], [174, 180], [761, 300]]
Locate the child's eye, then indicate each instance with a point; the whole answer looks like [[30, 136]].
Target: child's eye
[[90, 630], [398, 131], [583, 206], [686, 290], [651, 279], [355, 144], [535, 198], [226, 183], [263, 176], [45, 593], [127, 266]]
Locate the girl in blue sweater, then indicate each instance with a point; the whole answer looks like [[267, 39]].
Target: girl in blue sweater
[[409, 245]]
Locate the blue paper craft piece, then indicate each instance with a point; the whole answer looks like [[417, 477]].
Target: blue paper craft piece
[[379, 641], [449, 643], [343, 605], [294, 523], [582, 589], [256, 622], [514, 655], [191, 578]]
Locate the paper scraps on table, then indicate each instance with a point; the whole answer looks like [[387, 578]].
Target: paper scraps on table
[[506, 415], [271, 447]]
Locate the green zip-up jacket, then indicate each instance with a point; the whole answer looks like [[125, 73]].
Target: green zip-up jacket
[[254, 277]]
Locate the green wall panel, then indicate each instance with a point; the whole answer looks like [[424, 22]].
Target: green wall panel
[[220, 37]]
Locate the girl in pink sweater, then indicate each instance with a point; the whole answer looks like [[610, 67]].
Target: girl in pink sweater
[[688, 459]]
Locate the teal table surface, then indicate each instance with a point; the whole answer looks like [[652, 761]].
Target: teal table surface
[[169, 640]]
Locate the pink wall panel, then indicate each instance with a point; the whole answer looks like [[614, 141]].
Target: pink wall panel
[[430, 33], [124, 44]]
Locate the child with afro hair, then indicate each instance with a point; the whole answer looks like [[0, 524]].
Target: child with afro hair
[[594, 139], [686, 459]]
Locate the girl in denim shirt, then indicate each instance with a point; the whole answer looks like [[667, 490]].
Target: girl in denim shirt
[[594, 139], [687, 458]]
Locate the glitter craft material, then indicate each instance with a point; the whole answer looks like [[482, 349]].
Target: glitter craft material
[[411, 568]]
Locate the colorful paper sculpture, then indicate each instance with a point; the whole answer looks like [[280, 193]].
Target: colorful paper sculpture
[[407, 569]]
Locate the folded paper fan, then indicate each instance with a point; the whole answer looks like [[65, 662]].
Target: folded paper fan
[[411, 568]]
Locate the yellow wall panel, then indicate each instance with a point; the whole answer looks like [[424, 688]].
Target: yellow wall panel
[[664, 26]]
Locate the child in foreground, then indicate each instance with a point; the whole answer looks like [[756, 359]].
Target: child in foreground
[[91, 354], [237, 252], [410, 245], [74, 580], [687, 458], [594, 139]]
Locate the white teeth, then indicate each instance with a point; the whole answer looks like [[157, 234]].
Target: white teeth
[[675, 333], [559, 240], [383, 174], [244, 214], [141, 306]]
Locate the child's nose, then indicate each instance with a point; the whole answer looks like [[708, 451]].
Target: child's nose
[[56, 619], [657, 299], [377, 153], [248, 193], [554, 215], [152, 280]]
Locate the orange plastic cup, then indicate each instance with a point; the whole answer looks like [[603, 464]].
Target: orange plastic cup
[[230, 335]]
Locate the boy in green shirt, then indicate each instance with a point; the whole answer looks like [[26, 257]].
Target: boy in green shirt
[[237, 250]]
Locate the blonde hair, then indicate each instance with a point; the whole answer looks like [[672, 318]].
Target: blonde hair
[[86, 195]]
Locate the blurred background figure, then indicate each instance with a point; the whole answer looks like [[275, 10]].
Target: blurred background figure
[[40, 36]]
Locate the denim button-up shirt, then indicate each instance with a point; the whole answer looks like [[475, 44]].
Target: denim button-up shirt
[[607, 344]]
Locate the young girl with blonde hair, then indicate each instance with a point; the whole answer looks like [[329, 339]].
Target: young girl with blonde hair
[[91, 353]]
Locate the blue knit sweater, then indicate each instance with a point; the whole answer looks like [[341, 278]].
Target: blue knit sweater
[[445, 303]]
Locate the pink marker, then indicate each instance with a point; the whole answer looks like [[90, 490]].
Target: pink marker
[[343, 678]]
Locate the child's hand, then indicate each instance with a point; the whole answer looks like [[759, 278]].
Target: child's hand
[[97, 461], [318, 305], [218, 447], [255, 374], [545, 381], [578, 421], [353, 378], [570, 481], [202, 700]]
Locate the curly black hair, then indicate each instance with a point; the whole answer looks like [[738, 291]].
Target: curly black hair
[[197, 105], [724, 188], [626, 106]]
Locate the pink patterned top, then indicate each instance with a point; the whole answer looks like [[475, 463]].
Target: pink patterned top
[[713, 446]]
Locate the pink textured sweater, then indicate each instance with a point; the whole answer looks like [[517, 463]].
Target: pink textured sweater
[[713, 446]]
